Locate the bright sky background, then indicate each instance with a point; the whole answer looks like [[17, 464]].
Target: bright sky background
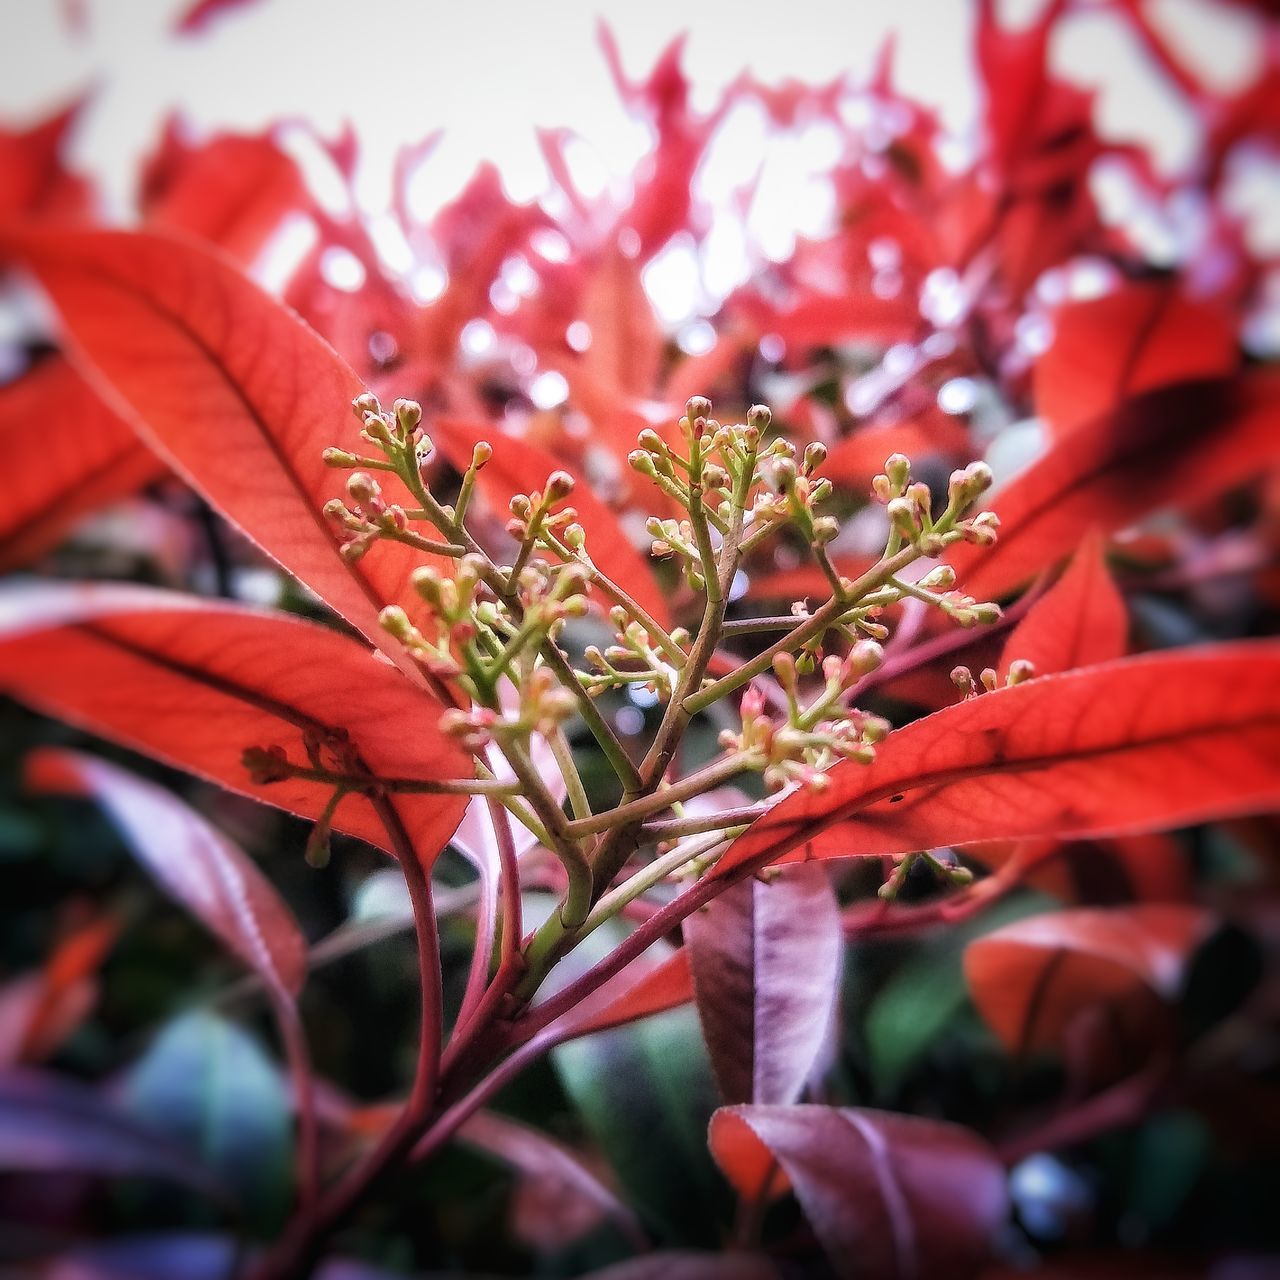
[[489, 71]]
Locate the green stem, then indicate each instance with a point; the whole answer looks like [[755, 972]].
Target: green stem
[[644, 879], [816, 624], [578, 801], [713, 775]]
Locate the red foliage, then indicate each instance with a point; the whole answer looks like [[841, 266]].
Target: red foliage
[[940, 310]]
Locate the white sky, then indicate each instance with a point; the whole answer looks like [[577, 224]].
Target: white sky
[[490, 72]]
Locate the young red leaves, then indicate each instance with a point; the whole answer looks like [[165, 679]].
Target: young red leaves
[[1170, 447], [1079, 622], [66, 454], [1139, 744], [766, 967], [195, 684], [889, 1197], [1030, 979], [227, 385], [1106, 350]]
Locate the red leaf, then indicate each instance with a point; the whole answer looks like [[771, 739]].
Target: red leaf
[[194, 683], [33, 179], [517, 466], [231, 388], [625, 354], [51, 1125], [204, 13], [820, 320], [55, 475], [889, 1197], [1144, 336], [1030, 978], [192, 861], [38, 1010], [635, 993], [233, 191], [1078, 622], [766, 969], [858, 457], [1170, 447], [1144, 743]]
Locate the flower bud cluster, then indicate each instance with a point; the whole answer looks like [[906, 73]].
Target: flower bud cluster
[[366, 516], [988, 680], [633, 659], [543, 706], [909, 506], [803, 745], [533, 517]]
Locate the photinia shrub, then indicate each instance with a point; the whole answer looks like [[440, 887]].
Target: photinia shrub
[[805, 716]]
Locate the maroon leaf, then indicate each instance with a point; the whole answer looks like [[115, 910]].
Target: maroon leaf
[[559, 1199], [889, 1197], [196, 864], [766, 971], [686, 1265], [1030, 978]]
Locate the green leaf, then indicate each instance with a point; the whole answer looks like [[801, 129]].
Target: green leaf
[[927, 991], [207, 1084], [646, 1094]]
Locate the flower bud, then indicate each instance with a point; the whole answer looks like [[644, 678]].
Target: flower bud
[[362, 488], [340, 458], [940, 578], [697, 407], [825, 529], [962, 678], [642, 462], [881, 488], [897, 468], [865, 656], [1019, 670], [988, 678], [481, 454], [408, 414], [759, 416], [784, 667], [364, 405], [902, 515], [983, 528], [815, 455], [986, 613], [559, 486], [781, 476], [395, 621]]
